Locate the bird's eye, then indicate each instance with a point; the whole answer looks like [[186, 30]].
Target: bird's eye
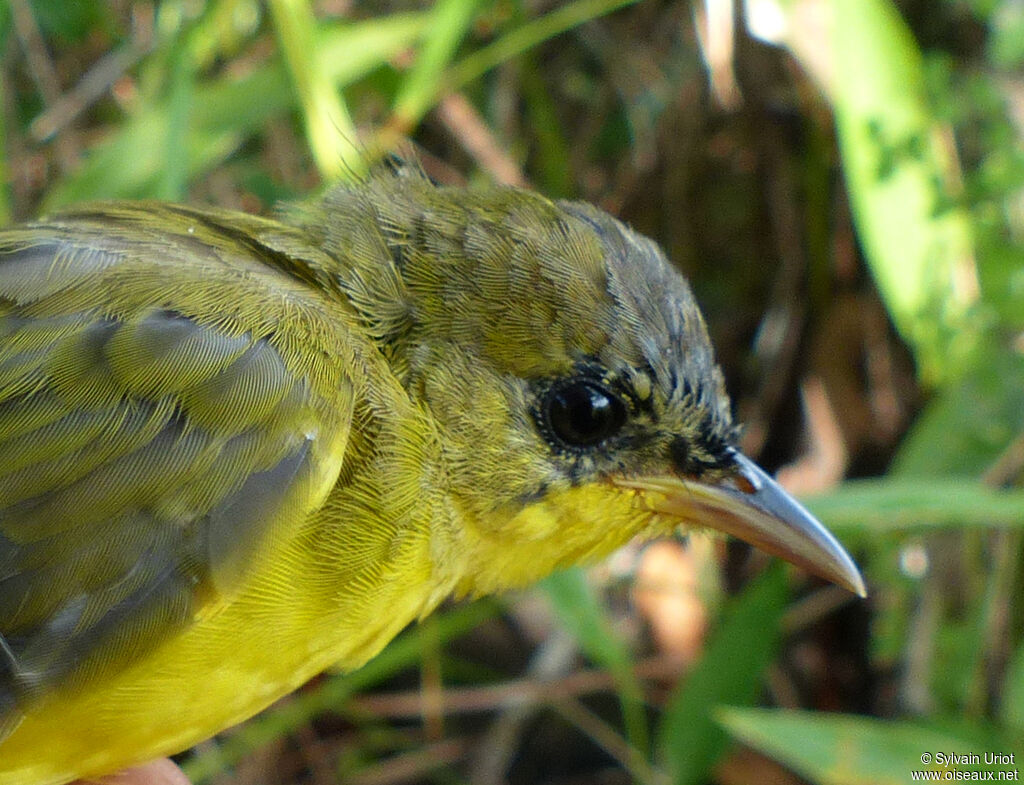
[[582, 413]]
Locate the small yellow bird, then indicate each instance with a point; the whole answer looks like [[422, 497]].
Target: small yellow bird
[[236, 451]]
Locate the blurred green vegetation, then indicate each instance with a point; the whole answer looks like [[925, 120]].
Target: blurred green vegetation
[[843, 182]]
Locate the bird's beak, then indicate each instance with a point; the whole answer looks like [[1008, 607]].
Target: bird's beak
[[750, 505]]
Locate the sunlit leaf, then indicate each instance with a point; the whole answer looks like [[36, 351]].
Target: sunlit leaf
[[841, 749], [900, 166], [914, 505]]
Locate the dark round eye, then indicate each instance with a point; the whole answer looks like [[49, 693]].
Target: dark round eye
[[581, 413]]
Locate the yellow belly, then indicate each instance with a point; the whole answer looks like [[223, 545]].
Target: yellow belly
[[286, 627]]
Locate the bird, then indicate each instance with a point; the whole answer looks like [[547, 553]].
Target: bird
[[237, 450]]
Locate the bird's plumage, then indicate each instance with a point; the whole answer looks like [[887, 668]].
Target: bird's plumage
[[234, 451]]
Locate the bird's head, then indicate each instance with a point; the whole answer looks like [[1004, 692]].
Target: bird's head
[[570, 376]]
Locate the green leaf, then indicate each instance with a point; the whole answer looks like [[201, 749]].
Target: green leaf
[[450, 19], [970, 423], [223, 112], [901, 172], [581, 613], [564, 16], [840, 749], [910, 505], [689, 741], [182, 66], [329, 127]]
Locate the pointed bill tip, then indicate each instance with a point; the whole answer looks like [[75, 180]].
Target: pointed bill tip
[[751, 506], [793, 533]]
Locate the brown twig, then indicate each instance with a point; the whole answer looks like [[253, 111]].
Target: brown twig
[[460, 117], [42, 72], [407, 766], [609, 740], [90, 88], [515, 692]]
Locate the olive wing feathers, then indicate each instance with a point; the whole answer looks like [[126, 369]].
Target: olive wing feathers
[[175, 397]]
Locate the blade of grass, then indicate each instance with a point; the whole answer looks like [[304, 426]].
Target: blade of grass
[[329, 127], [174, 177], [425, 88], [448, 25], [689, 741], [580, 611], [911, 504], [552, 148], [965, 427], [224, 111], [526, 36], [842, 749]]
